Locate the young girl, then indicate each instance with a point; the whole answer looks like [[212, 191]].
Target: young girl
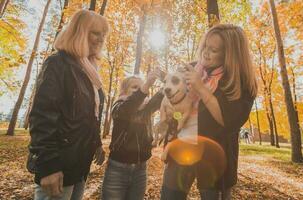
[[224, 80], [131, 144]]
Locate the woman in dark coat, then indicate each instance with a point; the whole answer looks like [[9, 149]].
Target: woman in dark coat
[[66, 113], [225, 95]]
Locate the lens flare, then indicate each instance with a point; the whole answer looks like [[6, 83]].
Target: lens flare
[[207, 157]]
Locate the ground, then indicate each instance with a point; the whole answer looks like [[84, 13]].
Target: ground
[[264, 173]]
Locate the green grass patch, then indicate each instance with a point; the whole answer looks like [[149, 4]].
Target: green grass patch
[[18, 131], [283, 153]]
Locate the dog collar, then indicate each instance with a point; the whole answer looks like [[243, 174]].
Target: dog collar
[[179, 100]]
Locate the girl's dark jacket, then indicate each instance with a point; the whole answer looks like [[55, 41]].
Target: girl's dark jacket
[[64, 130], [131, 135]]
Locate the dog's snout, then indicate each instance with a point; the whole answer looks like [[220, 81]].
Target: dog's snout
[[167, 90]]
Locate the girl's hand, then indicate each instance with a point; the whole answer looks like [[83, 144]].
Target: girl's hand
[[193, 79], [151, 77], [150, 80]]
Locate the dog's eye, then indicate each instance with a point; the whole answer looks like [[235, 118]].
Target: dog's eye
[[175, 80]]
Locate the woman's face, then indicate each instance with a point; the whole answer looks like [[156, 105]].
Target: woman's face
[[95, 42], [213, 52], [134, 86]]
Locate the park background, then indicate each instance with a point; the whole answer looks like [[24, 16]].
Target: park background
[[163, 33]]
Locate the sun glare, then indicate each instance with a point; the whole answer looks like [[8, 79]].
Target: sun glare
[[157, 39]]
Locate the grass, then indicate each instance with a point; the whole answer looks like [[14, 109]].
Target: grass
[[282, 153], [18, 131]]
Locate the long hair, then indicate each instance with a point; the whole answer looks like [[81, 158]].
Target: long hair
[[74, 37], [125, 84], [239, 71]]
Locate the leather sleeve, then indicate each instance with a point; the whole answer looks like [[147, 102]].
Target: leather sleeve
[[44, 118]]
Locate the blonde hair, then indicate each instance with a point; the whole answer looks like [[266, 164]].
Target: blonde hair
[[125, 84], [239, 72], [74, 38]]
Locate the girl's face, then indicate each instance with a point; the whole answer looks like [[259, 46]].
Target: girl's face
[[134, 86], [95, 42], [213, 52]]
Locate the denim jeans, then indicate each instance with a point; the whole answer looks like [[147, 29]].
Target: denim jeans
[[73, 192], [177, 181], [124, 181]]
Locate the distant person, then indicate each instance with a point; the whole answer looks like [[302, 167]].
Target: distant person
[[67, 108], [247, 137]]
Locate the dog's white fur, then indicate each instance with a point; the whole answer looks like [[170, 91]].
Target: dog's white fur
[[176, 100]]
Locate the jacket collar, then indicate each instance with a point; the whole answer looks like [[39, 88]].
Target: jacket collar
[[70, 59]]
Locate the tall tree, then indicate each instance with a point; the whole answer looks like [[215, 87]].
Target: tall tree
[[13, 120], [92, 5], [139, 40], [103, 6], [61, 23], [213, 12], [3, 5], [258, 123], [296, 154]]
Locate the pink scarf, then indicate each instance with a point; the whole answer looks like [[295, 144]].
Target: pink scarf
[[90, 69], [211, 80]]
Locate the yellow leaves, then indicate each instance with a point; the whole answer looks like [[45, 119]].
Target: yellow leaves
[[12, 45]]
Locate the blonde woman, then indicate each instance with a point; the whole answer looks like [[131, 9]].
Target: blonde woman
[[66, 113], [224, 82]]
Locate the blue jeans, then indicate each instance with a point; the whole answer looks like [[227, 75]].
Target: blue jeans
[[73, 192], [124, 181], [178, 179]]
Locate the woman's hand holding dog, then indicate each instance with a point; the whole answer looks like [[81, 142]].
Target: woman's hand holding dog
[[193, 79]]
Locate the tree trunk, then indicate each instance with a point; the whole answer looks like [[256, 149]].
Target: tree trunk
[[295, 94], [139, 43], [61, 23], [271, 129], [258, 123], [250, 127], [213, 13], [296, 154], [3, 5], [273, 117], [269, 118], [92, 5], [106, 120], [13, 120], [102, 11]]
